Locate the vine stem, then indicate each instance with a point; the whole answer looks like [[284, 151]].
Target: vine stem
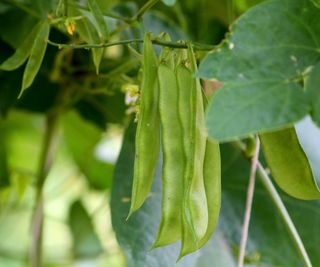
[[48, 152], [144, 9], [284, 214], [276, 199], [196, 46], [250, 193]]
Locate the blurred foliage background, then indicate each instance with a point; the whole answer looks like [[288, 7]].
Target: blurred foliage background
[[89, 115]]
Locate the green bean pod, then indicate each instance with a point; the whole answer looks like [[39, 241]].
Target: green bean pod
[[212, 183], [289, 164], [173, 160], [147, 141], [194, 205]]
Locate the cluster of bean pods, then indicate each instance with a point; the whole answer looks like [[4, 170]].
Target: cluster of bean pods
[[171, 115]]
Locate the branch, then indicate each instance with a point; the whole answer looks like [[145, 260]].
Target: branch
[[143, 10], [246, 222], [196, 46], [47, 155]]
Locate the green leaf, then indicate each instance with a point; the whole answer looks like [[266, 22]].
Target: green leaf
[[36, 55], [261, 69], [289, 164], [82, 138], [89, 34], [97, 13], [86, 243], [137, 235], [22, 52], [169, 2]]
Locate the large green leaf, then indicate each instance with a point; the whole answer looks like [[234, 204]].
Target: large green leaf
[[137, 235], [261, 68]]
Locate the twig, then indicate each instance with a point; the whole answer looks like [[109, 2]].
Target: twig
[[196, 46], [47, 155], [65, 10], [144, 9], [246, 222]]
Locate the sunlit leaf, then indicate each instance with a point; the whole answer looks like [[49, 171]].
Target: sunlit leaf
[[261, 69]]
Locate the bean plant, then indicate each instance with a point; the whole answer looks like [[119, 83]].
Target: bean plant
[[216, 104]]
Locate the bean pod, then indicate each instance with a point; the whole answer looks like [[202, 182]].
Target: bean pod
[[147, 141], [173, 160]]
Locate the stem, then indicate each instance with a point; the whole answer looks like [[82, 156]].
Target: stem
[[196, 46], [47, 155], [284, 214], [65, 8], [144, 9], [250, 192]]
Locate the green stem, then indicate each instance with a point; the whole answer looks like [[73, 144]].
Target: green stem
[[284, 214], [144, 9], [196, 46], [65, 8], [249, 201], [46, 159]]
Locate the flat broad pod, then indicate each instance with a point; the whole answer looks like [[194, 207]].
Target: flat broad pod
[[147, 140], [173, 158], [289, 164]]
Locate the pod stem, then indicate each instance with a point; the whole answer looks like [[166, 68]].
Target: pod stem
[[250, 193], [276, 199]]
